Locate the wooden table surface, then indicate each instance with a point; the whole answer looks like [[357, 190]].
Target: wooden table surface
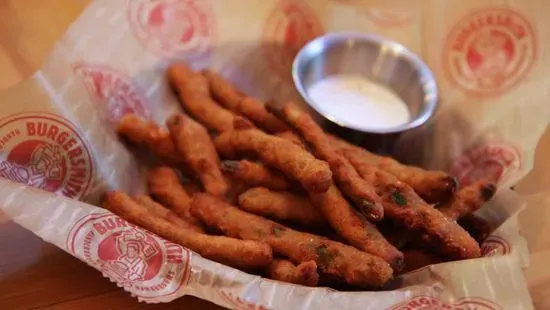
[[36, 275]]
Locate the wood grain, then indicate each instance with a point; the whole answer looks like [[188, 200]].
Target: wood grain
[[28, 30]]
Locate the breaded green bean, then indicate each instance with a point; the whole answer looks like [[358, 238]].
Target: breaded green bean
[[242, 254], [282, 206], [255, 174], [403, 205], [304, 274], [151, 136], [198, 151], [194, 94], [432, 186], [164, 184], [468, 200], [295, 162], [353, 228], [333, 258], [233, 99], [358, 190], [161, 211]]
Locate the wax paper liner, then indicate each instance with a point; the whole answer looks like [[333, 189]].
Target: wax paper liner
[[164, 271], [57, 134]]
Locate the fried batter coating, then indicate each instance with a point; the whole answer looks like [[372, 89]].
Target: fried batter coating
[[281, 206], [459, 208], [242, 254], [151, 136], [164, 184], [432, 186], [304, 274], [242, 123], [233, 99], [223, 90], [353, 228], [162, 212], [361, 193], [292, 137], [198, 151], [468, 200], [418, 258], [255, 174], [255, 110], [194, 94], [333, 258], [314, 175], [404, 206]]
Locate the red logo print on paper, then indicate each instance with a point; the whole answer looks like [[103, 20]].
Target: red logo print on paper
[[290, 26], [114, 90], [429, 303], [490, 51], [492, 161], [495, 246], [141, 262], [174, 28], [47, 152], [238, 303]]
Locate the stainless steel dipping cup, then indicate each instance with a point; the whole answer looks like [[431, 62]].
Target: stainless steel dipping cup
[[378, 59]]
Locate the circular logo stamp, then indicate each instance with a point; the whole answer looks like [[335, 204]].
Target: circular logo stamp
[[144, 264], [490, 51], [429, 303], [495, 246], [492, 161], [114, 90], [290, 26], [174, 28], [45, 151]]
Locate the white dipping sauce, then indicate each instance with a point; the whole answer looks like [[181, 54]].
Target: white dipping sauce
[[354, 100]]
